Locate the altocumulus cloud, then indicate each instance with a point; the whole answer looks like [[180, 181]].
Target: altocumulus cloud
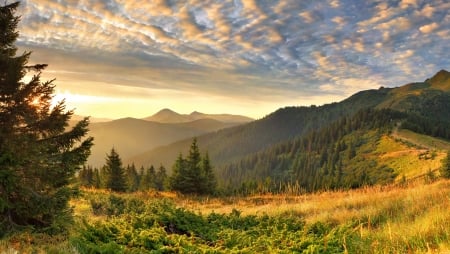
[[277, 52]]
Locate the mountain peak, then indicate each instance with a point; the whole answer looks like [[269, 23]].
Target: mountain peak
[[166, 110], [441, 80], [169, 116], [196, 113], [165, 116]]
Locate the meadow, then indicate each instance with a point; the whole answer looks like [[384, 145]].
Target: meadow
[[408, 218]]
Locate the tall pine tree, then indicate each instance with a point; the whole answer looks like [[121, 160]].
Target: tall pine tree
[[161, 178], [194, 174], [115, 174], [209, 183], [38, 155]]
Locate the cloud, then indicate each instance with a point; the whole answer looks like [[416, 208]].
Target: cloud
[[428, 28], [427, 11], [406, 3], [266, 49]]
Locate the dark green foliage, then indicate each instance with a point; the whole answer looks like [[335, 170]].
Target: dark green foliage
[[115, 173], [38, 156], [86, 176], [445, 170], [327, 158], [132, 178], [161, 179], [160, 227], [209, 182], [147, 178], [115, 205], [193, 175]]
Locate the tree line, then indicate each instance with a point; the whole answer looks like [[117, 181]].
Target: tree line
[[191, 175]]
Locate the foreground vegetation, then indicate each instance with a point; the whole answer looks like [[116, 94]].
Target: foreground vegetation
[[390, 219]]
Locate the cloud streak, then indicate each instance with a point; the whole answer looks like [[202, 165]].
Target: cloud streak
[[260, 51]]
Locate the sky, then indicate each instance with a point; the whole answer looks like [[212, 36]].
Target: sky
[[131, 58]]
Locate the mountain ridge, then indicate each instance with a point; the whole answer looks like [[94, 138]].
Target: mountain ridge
[[167, 115], [130, 136], [232, 144]]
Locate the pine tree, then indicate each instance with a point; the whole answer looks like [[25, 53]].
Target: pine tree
[[38, 155], [147, 178], [96, 179], [176, 180], [86, 176], [161, 178], [132, 178], [209, 179], [194, 174], [115, 174], [445, 169]]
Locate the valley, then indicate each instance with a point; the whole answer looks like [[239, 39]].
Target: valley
[[131, 136]]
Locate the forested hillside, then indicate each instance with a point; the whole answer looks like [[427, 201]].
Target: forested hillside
[[284, 124], [426, 104]]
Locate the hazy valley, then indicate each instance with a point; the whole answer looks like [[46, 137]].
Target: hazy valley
[[131, 136]]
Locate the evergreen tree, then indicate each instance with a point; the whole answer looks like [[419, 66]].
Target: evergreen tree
[[209, 179], [445, 169], [193, 175], [86, 176], [132, 178], [115, 174], [177, 178], [161, 178], [147, 179], [96, 179], [38, 155]]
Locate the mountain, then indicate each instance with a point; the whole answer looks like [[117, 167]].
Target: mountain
[[169, 116], [232, 144], [425, 105], [130, 136]]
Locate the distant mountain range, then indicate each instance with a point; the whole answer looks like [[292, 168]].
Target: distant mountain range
[[423, 104], [169, 116], [131, 136]]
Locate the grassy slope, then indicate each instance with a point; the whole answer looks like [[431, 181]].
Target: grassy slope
[[408, 159], [390, 219]]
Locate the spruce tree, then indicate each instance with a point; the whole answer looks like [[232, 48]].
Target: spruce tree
[[115, 173], [86, 176], [177, 179], [132, 178], [161, 178], [39, 155], [209, 179], [96, 179], [194, 174], [147, 178]]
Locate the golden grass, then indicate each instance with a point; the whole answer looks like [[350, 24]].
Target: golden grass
[[389, 218], [407, 161]]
